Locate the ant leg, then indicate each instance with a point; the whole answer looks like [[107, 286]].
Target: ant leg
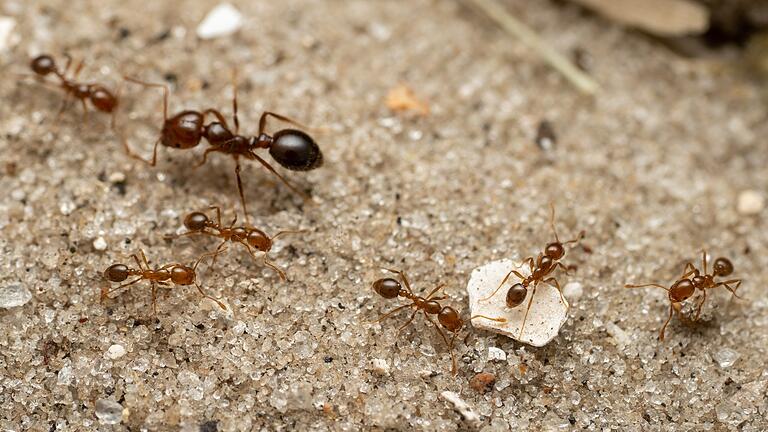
[[154, 298], [218, 214], [688, 270], [144, 257], [78, 68], [287, 232], [276, 174], [85, 111], [453, 357], [234, 100], [530, 262], [436, 289], [218, 115], [136, 258], [413, 315], [445, 339], [216, 254], [393, 311], [561, 265], [240, 189], [578, 238], [263, 121], [704, 260], [664, 327], [502, 284], [732, 289], [646, 285], [501, 320], [199, 288], [105, 293], [701, 304], [205, 156], [206, 255], [149, 84], [528, 309], [552, 281], [266, 261]]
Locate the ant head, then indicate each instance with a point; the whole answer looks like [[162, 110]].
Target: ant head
[[295, 150], [516, 295], [259, 240], [681, 290], [102, 99], [554, 250], [387, 287], [116, 273], [196, 221], [723, 267], [450, 319], [43, 65], [182, 275]]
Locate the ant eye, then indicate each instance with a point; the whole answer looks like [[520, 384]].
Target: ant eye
[[295, 150], [116, 273]]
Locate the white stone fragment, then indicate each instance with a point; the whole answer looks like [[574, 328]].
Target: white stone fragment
[[618, 334], [207, 304], [726, 357], [223, 20], [14, 295], [496, 354], [573, 291], [115, 351], [750, 202], [380, 366], [547, 314], [100, 244], [461, 407], [108, 411], [7, 36]]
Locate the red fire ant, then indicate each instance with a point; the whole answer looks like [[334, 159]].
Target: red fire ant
[[447, 316], [544, 265], [174, 273], [251, 238], [101, 98], [691, 280], [291, 148]]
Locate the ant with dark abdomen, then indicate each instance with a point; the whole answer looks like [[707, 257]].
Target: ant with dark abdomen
[[250, 237], [543, 266], [101, 98], [447, 316], [691, 280], [174, 273], [291, 148]]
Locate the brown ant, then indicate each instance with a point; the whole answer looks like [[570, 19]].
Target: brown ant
[[545, 264], [291, 148], [691, 280], [174, 273], [447, 316], [251, 238], [101, 98]]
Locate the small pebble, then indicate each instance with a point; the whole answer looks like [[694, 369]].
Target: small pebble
[[461, 407], [496, 354], [115, 351], [7, 37], [14, 295], [108, 412], [116, 177], [100, 244], [483, 382], [380, 367], [223, 20], [726, 357], [573, 291], [750, 202]]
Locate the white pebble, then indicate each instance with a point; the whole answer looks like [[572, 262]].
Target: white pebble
[[750, 202], [496, 354], [726, 357], [461, 406], [116, 177], [618, 334], [100, 244], [7, 37], [108, 411], [547, 314], [115, 351], [380, 366], [14, 295], [573, 290], [223, 20]]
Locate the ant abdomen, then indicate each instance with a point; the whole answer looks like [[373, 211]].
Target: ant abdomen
[[295, 150], [259, 239], [117, 273], [183, 131], [450, 319], [182, 275], [196, 221], [388, 288], [516, 295], [43, 65], [102, 99]]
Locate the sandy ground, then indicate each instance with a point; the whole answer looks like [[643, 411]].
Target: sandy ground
[[651, 168]]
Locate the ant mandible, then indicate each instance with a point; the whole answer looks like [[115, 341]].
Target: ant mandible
[[447, 316], [691, 280], [291, 148], [174, 273], [101, 98], [545, 264], [250, 237]]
